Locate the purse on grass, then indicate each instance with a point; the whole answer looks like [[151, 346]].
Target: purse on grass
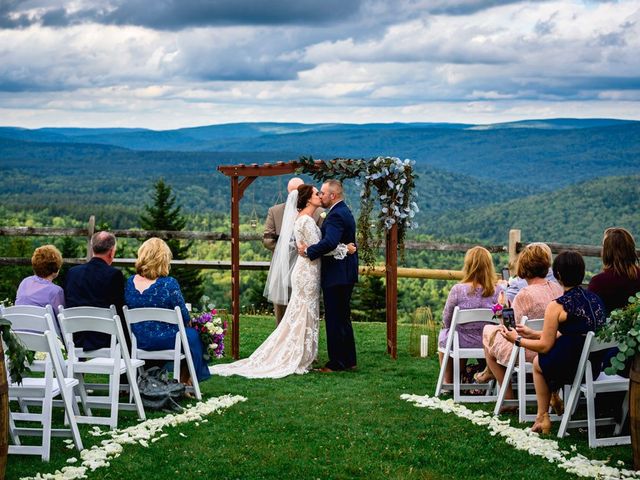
[[158, 392]]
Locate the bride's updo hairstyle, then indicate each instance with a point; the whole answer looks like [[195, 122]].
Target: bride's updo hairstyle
[[304, 194]]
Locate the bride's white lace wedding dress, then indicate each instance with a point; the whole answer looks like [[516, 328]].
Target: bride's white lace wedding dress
[[293, 346]]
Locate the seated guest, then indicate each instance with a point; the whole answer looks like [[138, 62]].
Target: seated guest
[[96, 284], [478, 289], [572, 315], [517, 283], [39, 289], [533, 264], [152, 287], [620, 278]]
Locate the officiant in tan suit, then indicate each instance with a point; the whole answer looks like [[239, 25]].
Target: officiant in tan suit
[[271, 234]]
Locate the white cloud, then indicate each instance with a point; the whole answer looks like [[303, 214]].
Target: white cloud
[[468, 60]]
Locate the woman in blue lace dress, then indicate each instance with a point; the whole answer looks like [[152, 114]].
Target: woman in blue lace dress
[[152, 287], [572, 316]]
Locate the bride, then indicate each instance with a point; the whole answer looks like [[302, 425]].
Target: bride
[[293, 345]]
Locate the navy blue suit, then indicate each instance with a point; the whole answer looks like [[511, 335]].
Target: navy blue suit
[[95, 284], [337, 279]]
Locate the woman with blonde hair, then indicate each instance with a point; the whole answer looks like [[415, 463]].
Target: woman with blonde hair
[[533, 264], [478, 289], [153, 287], [39, 289]]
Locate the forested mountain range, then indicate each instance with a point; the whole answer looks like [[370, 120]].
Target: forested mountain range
[[561, 180], [542, 154], [470, 175]]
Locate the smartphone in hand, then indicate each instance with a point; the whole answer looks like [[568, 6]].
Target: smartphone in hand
[[505, 274], [508, 318]]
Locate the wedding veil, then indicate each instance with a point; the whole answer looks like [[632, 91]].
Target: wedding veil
[[279, 278]]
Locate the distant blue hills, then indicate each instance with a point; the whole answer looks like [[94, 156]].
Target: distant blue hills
[[235, 136], [544, 154], [466, 171]]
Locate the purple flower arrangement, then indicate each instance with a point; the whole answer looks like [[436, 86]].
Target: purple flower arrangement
[[211, 329]]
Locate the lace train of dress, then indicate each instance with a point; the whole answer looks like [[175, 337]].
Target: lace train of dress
[[293, 345]]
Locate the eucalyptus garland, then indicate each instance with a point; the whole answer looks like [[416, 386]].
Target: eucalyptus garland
[[19, 357], [389, 179], [623, 327]]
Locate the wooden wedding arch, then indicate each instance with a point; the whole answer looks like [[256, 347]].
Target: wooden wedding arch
[[241, 177]]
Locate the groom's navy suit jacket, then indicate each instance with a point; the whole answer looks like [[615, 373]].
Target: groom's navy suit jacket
[[338, 227]]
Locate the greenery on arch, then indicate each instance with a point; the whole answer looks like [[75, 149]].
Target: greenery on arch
[[389, 180]]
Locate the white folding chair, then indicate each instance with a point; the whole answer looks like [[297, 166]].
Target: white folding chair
[[117, 363], [43, 389], [585, 384], [512, 367], [181, 348], [453, 352], [87, 311], [17, 312]]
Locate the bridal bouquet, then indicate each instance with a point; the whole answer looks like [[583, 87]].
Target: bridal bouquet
[[211, 329]]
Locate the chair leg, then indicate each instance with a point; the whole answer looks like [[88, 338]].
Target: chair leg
[[569, 410], [71, 410], [456, 379], [443, 368], [47, 405], [623, 416], [134, 393], [503, 387], [15, 438], [82, 390], [114, 391]]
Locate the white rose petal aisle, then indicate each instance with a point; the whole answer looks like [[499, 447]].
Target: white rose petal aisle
[[144, 433], [524, 439]]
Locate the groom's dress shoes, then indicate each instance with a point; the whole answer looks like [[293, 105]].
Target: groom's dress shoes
[[325, 370]]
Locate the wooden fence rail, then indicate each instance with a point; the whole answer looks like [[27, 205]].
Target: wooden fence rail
[[513, 247]]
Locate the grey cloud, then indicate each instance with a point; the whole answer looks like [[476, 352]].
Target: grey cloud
[[180, 14], [464, 7]]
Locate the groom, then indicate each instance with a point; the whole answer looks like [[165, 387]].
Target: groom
[[337, 277]]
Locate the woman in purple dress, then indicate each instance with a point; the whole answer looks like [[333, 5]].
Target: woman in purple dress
[[39, 289], [478, 289]]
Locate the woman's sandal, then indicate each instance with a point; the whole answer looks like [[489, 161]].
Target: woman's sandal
[[542, 424], [556, 403], [484, 376], [508, 409]]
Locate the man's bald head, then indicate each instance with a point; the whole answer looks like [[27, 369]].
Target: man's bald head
[[294, 183]]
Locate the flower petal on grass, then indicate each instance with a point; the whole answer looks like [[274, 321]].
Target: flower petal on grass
[[525, 439], [142, 433]]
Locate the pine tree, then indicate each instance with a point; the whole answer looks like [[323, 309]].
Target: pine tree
[[165, 214], [368, 303]]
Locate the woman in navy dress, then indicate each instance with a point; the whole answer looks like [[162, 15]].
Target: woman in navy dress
[[572, 315], [152, 287]]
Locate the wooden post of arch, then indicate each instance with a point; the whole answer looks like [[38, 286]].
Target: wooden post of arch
[[241, 177], [391, 269]]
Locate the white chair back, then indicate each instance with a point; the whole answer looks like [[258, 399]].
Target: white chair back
[[93, 312], [453, 352], [181, 348], [25, 317]]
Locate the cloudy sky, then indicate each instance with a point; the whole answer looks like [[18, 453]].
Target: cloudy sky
[[174, 63]]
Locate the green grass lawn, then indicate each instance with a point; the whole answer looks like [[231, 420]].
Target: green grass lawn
[[326, 426]]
